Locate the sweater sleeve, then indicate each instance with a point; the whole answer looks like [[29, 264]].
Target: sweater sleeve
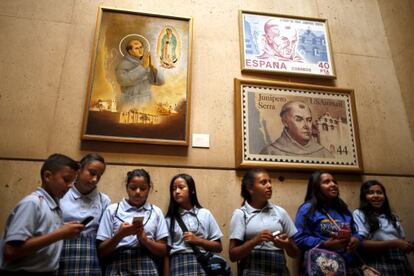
[[305, 238]]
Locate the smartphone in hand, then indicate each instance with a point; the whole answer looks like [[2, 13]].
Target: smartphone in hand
[[276, 233], [86, 220], [344, 232], [136, 219]]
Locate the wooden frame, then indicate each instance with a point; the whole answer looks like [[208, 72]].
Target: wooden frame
[[295, 126], [282, 44], [140, 79]]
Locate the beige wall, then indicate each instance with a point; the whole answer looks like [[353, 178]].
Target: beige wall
[[398, 19], [45, 54]]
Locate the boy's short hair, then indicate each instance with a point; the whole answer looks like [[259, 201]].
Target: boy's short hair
[[56, 162]]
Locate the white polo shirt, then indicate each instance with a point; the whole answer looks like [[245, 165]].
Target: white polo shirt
[[35, 215], [386, 230], [247, 222], [76, 207], [117, 213], [199, 221]]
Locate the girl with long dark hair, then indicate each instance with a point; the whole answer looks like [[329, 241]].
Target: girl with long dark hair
[[319, 217], [260, 232], [203, 230], [384, 247]]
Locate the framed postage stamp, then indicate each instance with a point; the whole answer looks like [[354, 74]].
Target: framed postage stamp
[[282, 44], [140, 80], [296, 126]]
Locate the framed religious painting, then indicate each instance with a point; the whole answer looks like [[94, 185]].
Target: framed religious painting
[[296, 126], [282, 44], [140, 79]]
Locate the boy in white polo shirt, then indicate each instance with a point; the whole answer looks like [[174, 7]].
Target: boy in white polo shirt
[[35, 230]]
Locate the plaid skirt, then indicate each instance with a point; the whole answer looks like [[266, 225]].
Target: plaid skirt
[[265, 262], [79, 257], [184, 264], [131, 261], [391, 262]]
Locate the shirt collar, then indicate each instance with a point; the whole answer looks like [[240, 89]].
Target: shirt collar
[[249, 209], [192, 211], [76, 194], [51, 202], [126, 206]]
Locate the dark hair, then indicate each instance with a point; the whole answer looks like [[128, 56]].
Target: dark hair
[[316, 199], [138, 173], [248, 181], [129, 46], [56, 162], [370, 213], [173, 206], [91, 157]]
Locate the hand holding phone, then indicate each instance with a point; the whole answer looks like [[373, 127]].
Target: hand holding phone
[[86, 220], [276, 233], [138, 219]]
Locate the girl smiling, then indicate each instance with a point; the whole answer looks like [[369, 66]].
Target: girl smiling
[[319, 218], [384, 247]]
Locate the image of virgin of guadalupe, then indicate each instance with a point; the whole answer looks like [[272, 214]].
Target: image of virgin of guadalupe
[[168, 55]]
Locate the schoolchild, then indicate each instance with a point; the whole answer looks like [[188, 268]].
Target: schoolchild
[[203, 230], [319, 217], [384, 247], [80, 255], [35, 230], [132, 231], [260, 231]]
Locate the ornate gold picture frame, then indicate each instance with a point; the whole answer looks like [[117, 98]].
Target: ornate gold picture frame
[[296, 126], [140, 80]]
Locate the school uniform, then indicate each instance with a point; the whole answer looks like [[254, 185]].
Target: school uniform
[[130, 258], [265, 258], [35, 215], [318, 228], [389, 262], [79, 256], [201, 222]]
